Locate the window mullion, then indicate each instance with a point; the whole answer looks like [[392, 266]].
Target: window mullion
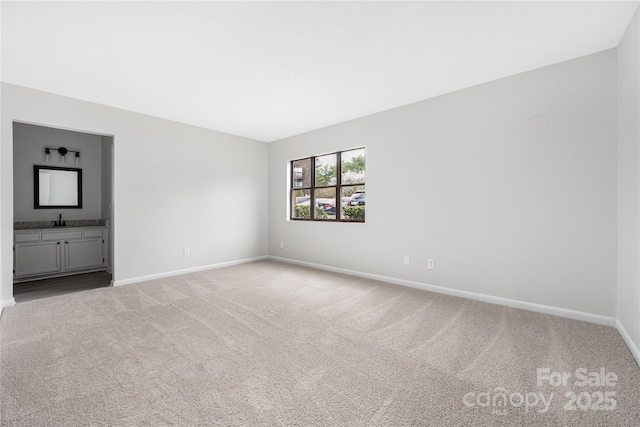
[[312, 201], [292, 193], [339, 187]]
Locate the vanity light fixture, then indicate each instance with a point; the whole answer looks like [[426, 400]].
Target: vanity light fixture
[[62, 151]]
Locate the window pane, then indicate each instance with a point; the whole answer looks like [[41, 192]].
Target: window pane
[[326, 203], [301, 173], [300, 204], [353, 203], [353, 166], [326, 170]]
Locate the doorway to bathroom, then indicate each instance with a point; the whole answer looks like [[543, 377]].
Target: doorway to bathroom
[[61, 247]]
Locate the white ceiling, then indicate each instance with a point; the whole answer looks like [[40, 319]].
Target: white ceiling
[[269, 70]]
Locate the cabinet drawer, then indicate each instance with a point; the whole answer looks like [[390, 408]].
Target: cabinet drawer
[[27, 237], [92, 233], [60, 235]]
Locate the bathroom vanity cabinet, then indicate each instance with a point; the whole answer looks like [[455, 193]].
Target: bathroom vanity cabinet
[[39, 254]]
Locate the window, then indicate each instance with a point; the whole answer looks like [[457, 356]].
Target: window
[[332, 183]]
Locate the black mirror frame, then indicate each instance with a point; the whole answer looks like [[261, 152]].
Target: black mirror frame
[[36, 187]]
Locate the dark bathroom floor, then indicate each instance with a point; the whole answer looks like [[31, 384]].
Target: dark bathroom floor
[[28, 291]]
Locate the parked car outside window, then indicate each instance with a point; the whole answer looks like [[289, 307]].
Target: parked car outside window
[[328, 205], [357, 199]]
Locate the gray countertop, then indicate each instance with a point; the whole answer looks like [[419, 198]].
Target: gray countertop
[[57, 228], [49, 225]]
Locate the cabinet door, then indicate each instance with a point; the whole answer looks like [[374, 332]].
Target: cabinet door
[[37, 258], [85, 253]]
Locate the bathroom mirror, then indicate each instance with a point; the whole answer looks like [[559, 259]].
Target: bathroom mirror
[[56, 187]]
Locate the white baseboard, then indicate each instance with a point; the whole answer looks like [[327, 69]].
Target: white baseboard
[[556, 311], [7, 303], [627, 339], [184, 271]]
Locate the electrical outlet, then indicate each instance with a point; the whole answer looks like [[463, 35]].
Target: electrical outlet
[[431, 264], [281, 245], [187, 252], [407, 260]]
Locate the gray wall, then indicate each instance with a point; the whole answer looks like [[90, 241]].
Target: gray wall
[[28, 150], [629, 180], [510, 186], [176, 186]]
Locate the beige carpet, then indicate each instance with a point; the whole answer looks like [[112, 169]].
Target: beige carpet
[[274, 344]]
